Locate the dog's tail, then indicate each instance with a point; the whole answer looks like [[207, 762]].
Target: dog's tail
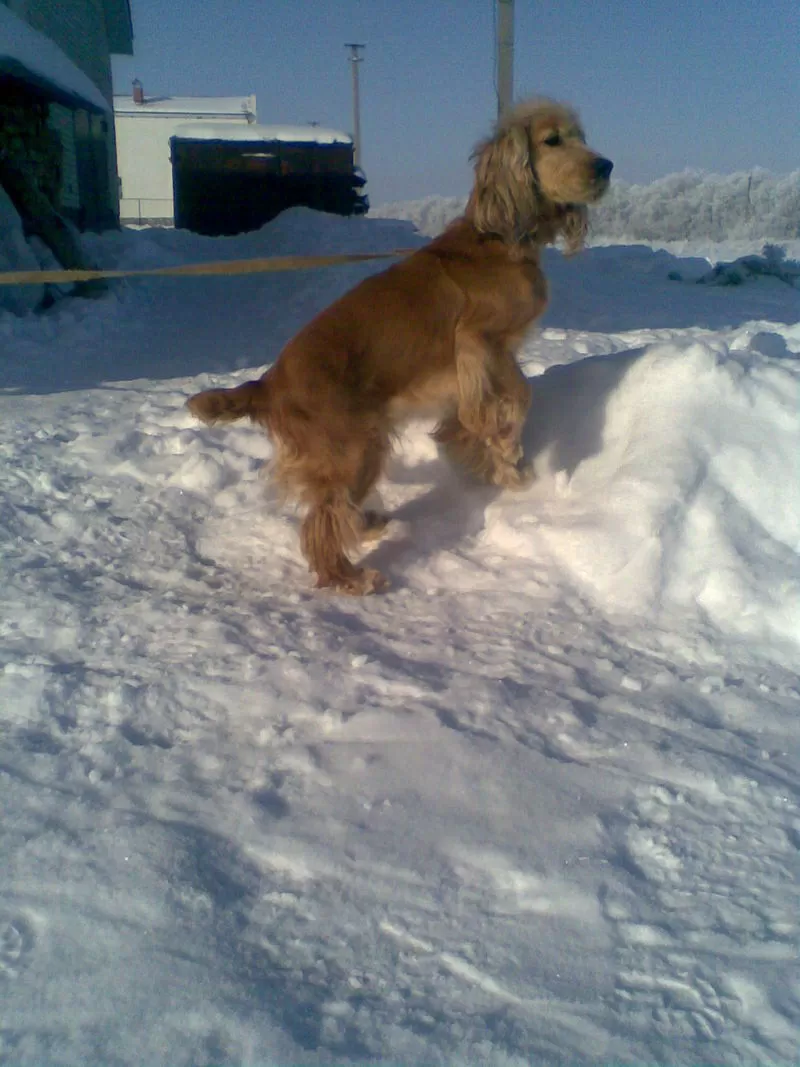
[[250, 400]]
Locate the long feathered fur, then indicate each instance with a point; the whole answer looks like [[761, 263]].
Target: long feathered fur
[[507, 198]]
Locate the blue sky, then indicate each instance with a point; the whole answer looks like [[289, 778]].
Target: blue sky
[[713, 84]]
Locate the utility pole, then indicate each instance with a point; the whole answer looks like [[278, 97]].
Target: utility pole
[[356, 58], [504, 40]]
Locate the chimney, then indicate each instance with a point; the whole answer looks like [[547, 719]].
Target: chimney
[[138, 92]]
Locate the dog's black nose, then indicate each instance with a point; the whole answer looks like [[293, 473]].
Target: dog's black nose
[[603, 168]]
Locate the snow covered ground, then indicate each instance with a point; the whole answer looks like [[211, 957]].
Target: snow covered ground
[[537, 804]]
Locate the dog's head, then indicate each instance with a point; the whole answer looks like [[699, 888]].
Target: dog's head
[[535, 176]]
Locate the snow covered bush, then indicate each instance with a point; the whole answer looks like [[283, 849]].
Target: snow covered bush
[[690, 204], [772, 262], [694, 205]]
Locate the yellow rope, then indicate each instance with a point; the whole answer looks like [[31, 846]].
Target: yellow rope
[[233, 266]]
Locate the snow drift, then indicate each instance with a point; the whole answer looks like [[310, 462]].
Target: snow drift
[[665, 475]]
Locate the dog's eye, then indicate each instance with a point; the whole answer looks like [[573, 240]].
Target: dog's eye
[[552, 140]]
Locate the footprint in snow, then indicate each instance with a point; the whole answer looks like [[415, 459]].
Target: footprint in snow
[[16, 944], [704, 905]]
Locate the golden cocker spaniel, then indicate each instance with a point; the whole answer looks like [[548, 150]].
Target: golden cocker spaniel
[[439, 330]]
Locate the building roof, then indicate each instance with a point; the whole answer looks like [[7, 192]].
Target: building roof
[[30, 57], [119, 26], [188, 105], [219, 131]]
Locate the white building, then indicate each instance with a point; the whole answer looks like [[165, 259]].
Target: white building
[[144, 126]]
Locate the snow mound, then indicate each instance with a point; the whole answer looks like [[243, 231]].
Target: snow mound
[[664, 482], [16, 254], [430, 215], [298, 230], [661, 492]]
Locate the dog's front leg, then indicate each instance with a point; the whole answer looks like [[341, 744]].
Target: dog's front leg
[[475, 401], [513, 399], [485, 431]]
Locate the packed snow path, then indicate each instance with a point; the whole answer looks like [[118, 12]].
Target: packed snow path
[[538, 804]]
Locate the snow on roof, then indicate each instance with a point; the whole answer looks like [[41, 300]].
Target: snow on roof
[[35, 59], [217, 131], [187, 105]]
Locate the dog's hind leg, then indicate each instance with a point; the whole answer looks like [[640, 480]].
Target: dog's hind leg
[[335, 524], [334, 527], [374, 522]]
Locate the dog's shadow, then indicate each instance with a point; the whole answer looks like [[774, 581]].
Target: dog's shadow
[[568, 411], [565, 427], [446, 515]]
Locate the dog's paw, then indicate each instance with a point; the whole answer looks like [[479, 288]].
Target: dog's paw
[[361, 582], [514, 476], [371, 581], [506, 445]]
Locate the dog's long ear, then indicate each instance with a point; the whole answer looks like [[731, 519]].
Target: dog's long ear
[[504, 199], [573, 225]]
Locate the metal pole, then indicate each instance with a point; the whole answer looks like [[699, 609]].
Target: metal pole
[[505, 55], [355, 59]]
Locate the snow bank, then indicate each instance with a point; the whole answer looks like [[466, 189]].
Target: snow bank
[[669, 481], [430, 215], [16, 254]]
